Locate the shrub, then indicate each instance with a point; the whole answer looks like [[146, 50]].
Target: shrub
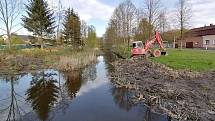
[[2, 41], [17, 40], [35, 52], [75, 61]]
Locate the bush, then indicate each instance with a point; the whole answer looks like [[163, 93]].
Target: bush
[[123, 51], [2, 41], [35, 52], [76, 60], [17, 40]]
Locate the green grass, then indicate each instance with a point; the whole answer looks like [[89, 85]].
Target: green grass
[[195, 60]]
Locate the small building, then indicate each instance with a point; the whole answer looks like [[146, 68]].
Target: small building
[[203, 37], [5, 38]]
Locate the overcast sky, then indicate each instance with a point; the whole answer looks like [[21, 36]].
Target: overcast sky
[[98, 12]]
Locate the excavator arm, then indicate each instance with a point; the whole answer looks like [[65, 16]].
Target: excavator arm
[[150, 44], [159, 40]]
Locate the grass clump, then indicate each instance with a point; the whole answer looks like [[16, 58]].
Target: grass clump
[[122, 51], [76, 60]]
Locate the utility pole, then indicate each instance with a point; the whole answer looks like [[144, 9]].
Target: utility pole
[[174, 42]]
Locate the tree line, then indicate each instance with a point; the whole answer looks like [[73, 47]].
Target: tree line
[[131, 23], [42, 22]]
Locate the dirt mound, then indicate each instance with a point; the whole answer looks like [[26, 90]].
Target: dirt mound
[[183, 95]]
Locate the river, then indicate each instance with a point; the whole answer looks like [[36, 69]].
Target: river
[[83, 95]]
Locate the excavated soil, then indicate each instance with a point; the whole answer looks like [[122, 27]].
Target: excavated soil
[[182, 95]]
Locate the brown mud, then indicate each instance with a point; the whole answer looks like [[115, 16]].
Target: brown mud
[[182, 95]]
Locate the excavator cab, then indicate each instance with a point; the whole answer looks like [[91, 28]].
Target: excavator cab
[[138, 44], [148, 48], [137, 48]]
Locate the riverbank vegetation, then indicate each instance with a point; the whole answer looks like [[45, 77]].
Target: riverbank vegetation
[[64, 59]]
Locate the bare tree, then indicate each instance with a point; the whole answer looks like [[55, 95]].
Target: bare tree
[[125, 20], [9, 13], [111, 34], [183, 15], [152, 11], [84, 30], [59, 22], [163, 22]]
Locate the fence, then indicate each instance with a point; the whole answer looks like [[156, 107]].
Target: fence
[[18, 46]]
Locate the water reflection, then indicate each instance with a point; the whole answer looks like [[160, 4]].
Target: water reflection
[[123, 98], [43, 93], [73, 83], [11, 110], [89, 74]]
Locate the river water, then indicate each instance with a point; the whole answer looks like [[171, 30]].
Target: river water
[[83, 95]]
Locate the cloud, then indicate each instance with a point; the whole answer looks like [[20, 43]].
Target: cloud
[[93, 12], [87, 9], [98, 12], [203, 12]]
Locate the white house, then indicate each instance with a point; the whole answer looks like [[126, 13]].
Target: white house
[[209, 41], [5, 38]]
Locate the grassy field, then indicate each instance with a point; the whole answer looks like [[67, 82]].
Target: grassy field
[[195, 60]]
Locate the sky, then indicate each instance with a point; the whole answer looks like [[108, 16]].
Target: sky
[[98, 12]]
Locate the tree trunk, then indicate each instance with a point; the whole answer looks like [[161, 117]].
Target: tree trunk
[[9, 39], [182, 31], [128, 45], [41, 42]]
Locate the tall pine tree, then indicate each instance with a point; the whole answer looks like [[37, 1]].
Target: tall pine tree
[[39, 20], [72, 28]]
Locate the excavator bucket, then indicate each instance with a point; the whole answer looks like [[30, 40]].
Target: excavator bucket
[[164, 53]]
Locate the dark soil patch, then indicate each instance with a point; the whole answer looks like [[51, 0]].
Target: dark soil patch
[[183, 95]]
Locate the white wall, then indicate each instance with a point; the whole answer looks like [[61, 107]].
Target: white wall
[[212, 41]]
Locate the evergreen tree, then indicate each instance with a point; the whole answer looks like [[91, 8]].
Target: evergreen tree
[[39, 20], [72, 28]]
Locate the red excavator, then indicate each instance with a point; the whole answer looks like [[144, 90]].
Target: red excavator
[[148, 48]]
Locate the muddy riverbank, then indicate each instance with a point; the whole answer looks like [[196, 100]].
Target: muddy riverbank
[[183, 95]]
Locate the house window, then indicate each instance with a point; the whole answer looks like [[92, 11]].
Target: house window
[[207, 42]]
